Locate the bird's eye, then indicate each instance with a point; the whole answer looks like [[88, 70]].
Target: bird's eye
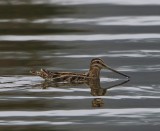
[[97, 61]]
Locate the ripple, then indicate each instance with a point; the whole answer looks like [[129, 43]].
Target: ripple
[[136, 51], [129, 116], [17, 55], [108, 21], [19, 20], [13, 82], [87, 37], [84, 2], [116, 2], [20, 122], [140, 68], [17, 78], [8, 83], [118, 54], [131, 112], [101, 21], [33, 84]]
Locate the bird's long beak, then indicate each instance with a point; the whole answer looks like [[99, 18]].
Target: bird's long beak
[[109, 68]]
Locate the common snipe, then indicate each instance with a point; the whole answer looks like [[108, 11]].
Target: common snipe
[[94, 72]]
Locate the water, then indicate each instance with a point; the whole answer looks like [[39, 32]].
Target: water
[[64, 35]]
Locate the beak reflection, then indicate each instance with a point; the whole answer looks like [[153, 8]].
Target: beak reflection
[[109, 68]]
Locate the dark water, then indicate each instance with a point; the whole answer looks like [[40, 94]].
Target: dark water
[[64, 35]]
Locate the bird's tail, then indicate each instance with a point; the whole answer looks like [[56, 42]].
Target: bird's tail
[[42, 73]]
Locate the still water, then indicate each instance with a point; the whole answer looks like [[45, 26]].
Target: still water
[[64, 35]]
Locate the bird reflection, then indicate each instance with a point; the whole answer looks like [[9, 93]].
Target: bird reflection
[[97, 90], [93, 84]]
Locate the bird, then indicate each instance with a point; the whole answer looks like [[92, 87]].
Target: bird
[[96, 65]]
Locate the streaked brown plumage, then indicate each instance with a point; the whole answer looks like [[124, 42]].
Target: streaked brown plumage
[[94, 72]]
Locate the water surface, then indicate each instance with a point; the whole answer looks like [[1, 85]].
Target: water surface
[[64, 35]]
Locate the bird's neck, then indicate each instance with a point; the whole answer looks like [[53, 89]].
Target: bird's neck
[[94, 72]]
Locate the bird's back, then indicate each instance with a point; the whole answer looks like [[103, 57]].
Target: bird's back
[[70, 77]]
